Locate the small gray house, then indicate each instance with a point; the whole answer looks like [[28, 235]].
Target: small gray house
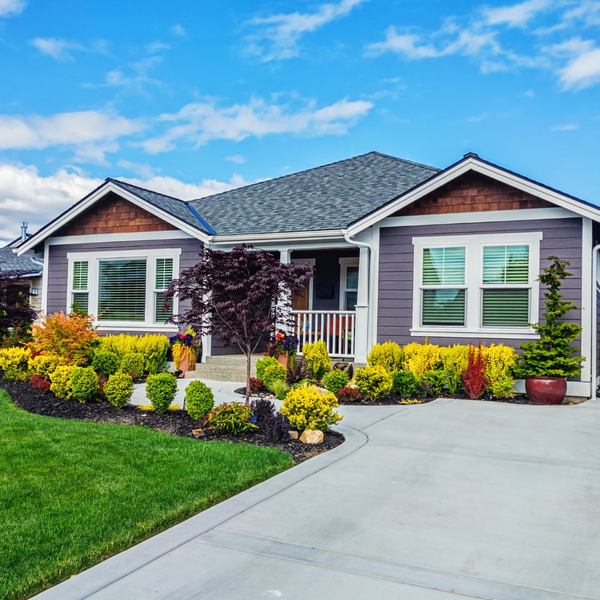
[[402, 251]]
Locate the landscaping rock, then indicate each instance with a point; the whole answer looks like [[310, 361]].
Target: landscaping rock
[[293, 435], [197, 432], [311, 436]]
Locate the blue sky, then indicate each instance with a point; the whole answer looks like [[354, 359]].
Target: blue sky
[[191, 98]]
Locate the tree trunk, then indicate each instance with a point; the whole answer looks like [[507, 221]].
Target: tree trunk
[[248, 372]]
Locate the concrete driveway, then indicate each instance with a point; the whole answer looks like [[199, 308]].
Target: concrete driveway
[[446, 500]]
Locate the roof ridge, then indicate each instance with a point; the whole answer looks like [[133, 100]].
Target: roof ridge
[[139, 187], [335, 162], [405, 160]]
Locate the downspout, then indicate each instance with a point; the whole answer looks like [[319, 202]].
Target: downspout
[[371, 254], [595, 254]]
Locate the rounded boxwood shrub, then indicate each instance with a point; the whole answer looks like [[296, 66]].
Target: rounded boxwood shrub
[[262, 364], [160, 390], [118, 389], [199, 399], [84, 384], [335, 380], [272, 373], [60, 381], [405, 384], [133, 364], [308, 408], [373, 382], [105, 362]]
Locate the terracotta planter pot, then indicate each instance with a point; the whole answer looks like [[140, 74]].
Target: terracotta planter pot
[[187, 361], [546, 390], [284, 359]]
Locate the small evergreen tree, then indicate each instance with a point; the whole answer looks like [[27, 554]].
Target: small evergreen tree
[[551, 355]]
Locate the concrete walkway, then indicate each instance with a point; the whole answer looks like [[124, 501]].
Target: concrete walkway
[[452, 499]]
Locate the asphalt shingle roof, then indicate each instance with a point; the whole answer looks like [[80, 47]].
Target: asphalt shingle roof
[[9, 261], [329, 197], [178, 208]]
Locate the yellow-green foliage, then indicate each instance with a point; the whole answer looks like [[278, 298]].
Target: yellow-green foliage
[[154, 347], [499, 369], [454, 362], [317, 359], [373, 382], [61, 381], [419, 358], [263, 364], [118, 389], [15, 363], [43, 364], [275, 372], [389, 355], [308, 408]]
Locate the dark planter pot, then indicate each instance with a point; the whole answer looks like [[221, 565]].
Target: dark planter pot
[[546, 390]]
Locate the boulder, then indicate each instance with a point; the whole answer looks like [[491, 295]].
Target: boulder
[[293, 434], [312, 436]]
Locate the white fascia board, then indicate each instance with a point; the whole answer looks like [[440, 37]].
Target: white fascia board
[[285, 237], [173, 234], [92, 199], [478, 166]]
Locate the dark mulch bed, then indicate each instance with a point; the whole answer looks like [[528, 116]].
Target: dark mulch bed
[[176, 422]]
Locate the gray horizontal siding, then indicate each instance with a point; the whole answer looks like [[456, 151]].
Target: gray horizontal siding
[[57, 263], [561, 237]]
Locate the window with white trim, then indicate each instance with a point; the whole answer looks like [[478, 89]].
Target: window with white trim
[[348, 283], [476, 284], [123, 289]]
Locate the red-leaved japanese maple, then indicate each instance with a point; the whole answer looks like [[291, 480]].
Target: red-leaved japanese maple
[[238, 296]]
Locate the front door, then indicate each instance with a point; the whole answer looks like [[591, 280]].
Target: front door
[[302, 300]]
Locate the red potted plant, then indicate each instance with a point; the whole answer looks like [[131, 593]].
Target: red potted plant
[[283, 347], [547, 363]]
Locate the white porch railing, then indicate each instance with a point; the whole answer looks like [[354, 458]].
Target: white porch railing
[[335, 327]]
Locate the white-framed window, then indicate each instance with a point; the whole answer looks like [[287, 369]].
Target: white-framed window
[[123, 289], [476, 285], [348, 283]]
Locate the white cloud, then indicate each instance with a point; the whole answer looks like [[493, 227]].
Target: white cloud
[[200, 122], [236, 158], [9, 8], [63, 129], [27, 195], [155, 47], [515, 15], [478, 118], [178, 30], [276, 37], [55, 47], [565, 127], [529, 94], [582, 71]]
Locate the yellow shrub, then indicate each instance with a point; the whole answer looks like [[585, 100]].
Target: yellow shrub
[[389, 355], [454, 362], [499, 368], [43, 364], [373, 382], [317, 359], [15, 363], [308, 408], [61, 381], [154, 347], [419, 358]]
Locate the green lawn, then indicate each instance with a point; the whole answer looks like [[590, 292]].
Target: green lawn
[[73, 493]]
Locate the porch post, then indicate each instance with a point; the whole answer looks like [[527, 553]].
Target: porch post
[[361, 331], [285, 258]]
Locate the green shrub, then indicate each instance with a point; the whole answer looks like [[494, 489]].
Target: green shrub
[[118, 389], [154, 347], [389, 355], [405, 384], [199, 399], [60, 380], [106, 362], [335, 380], [273, 373], [160, 390], [84, 384], [233, 418], [263, 364], [373, 382], [133, 363], [317, 359], [43, 364], [14, 362], [279, 387], [436, 380], [308, 408]]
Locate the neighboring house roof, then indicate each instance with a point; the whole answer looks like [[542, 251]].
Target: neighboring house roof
[[327, 197], [22, 265], [174, 206]]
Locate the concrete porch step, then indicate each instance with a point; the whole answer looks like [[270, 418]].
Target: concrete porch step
[[224, 368]]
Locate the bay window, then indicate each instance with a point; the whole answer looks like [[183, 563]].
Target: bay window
[[476, 286], [125, 287]]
